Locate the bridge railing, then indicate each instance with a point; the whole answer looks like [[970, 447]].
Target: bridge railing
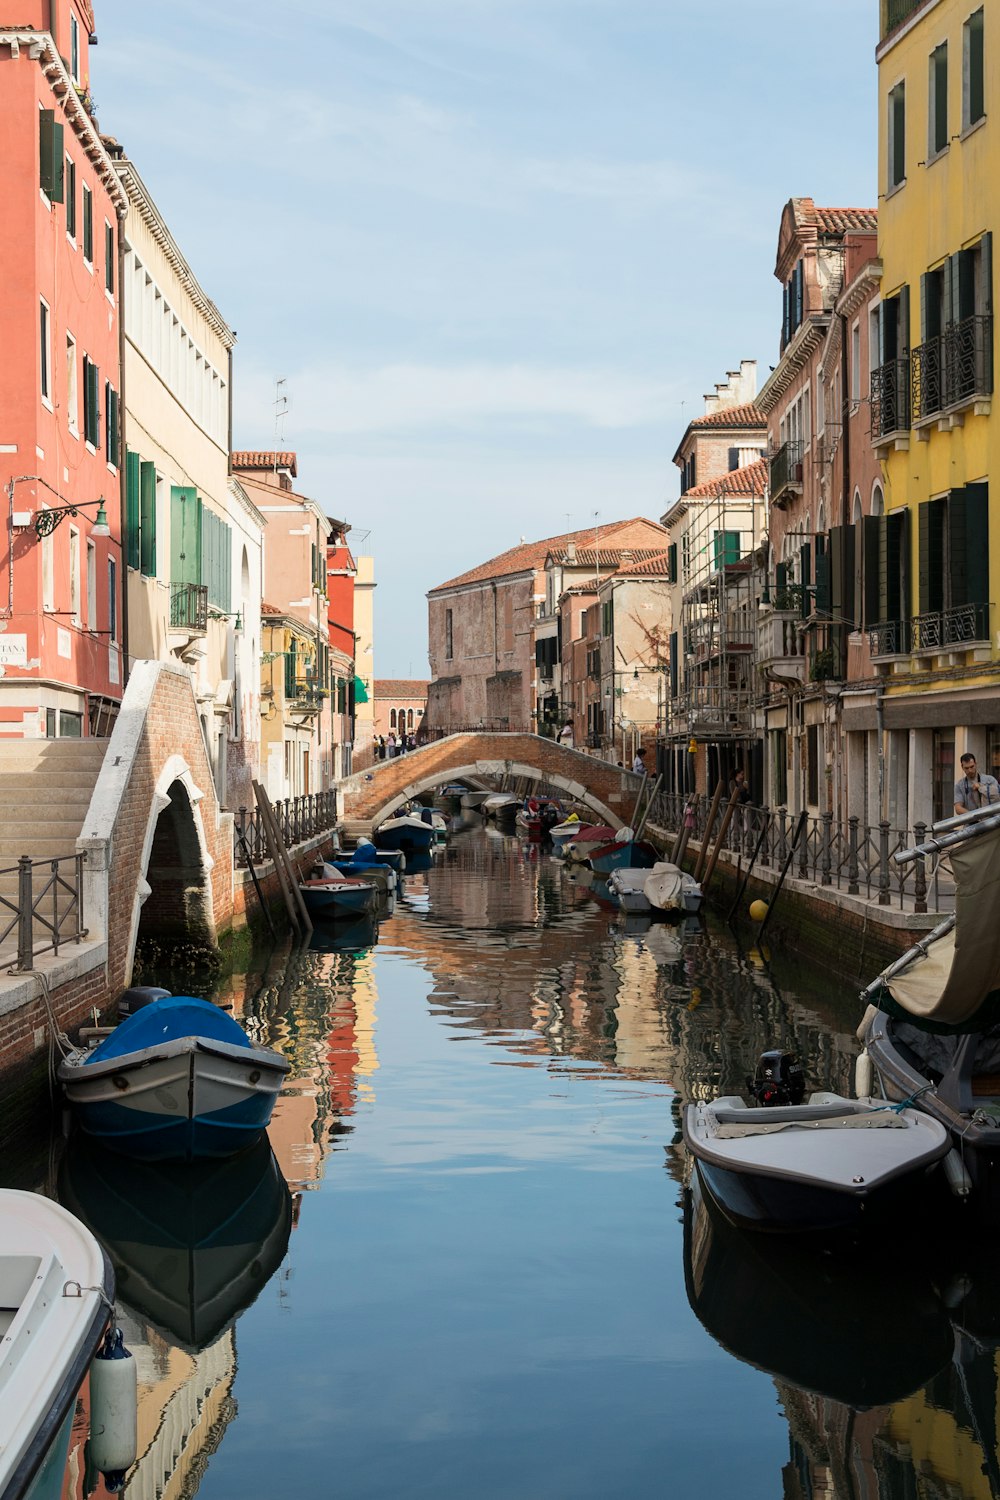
[[44, 911], [299, 819]]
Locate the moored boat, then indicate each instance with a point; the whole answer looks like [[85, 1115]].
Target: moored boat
[[584, 838], [328, 893], [622, 853], [672, 890], [176, 1079], [404, 832], [500, 806], [365, 863], [538, 815], [56, 1291]]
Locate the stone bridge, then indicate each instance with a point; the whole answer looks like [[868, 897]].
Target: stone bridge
[[369, 797]]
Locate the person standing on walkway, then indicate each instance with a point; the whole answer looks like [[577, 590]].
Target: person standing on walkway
[[974, 790], [391, 745], [639, 762], [739, 786], [566, 735]]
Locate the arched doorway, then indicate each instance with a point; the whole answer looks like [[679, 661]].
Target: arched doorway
[[179, 904]]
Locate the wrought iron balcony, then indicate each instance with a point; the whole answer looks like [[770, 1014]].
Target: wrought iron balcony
[[786, 472], [943, 630], [889, 638], [890, 404], [954, 367], [189, 607], [895, 12]]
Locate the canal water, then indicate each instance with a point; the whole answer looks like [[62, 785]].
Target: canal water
[[470, 1265]]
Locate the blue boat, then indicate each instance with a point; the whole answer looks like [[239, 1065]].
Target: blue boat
[[624, 854], [367, 863], [177, 1080], [406, 833]]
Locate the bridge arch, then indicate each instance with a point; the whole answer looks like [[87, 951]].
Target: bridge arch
[[175, 886], [374, 795]]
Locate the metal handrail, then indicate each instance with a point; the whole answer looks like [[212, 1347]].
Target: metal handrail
[[300, 819], [55, 906]]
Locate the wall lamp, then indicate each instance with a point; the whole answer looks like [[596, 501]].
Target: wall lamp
[[46, 521]]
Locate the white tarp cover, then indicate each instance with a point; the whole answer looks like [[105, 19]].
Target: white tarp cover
[[664, 887], [961, 967]]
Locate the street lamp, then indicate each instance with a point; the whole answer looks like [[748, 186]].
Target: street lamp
[[46, 521]]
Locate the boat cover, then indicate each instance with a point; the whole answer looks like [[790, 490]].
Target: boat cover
[[951, 979], [167, 1021], [663, 886]]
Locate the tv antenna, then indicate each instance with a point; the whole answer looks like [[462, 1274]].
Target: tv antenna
[[282, 406]]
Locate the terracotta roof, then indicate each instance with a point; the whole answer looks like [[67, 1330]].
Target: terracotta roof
[[529, 555], [750, 480], [650, 567], [732, 416], [252, 458], [607, 557], [400, 687], [846, 220], [269, 609]]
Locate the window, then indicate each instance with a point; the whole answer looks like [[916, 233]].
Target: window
[[147, 519], [855, 364], [45, 354], [91, 586], [74, 49], [392, 718], [109, 259], [70, 725], [793, 302], [954, 557], [72, 393], [409, 718], [74, 574], [216, 559], [449, 639], [91, 403], [51, 158], [111, 424], [812, 764], [71, 197], [897, 137], [973, 96], [88, 224], [112, 599], [937, 102]]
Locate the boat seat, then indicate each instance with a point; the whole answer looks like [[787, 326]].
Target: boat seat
[[787, 1113], [732, 1124]]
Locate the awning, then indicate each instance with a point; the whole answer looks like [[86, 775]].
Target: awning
[[360, 691]]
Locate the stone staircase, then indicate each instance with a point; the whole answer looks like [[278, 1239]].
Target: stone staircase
[[45, 791]]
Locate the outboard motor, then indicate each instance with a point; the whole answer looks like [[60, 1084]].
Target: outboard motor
[[129, 1001], [779, 1079]]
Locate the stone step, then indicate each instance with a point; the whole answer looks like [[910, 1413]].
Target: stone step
[[68, 754], [24, 832], [26, 780], [11, 849], [63, 804]]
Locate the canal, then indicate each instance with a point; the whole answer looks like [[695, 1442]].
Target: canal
[[469, 1265]]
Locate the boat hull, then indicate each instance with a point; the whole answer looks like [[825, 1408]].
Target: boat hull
[[622, 856], [189, 1098], [326, 899], [407, 838]]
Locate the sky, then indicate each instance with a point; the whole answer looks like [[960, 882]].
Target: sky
[[497, 250]]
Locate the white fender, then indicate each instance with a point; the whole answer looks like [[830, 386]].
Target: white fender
[[113, 1411], [864, 1072]]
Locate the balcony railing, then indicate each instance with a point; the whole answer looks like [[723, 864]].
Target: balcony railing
[[953, 367], [940, 630], [786, 471], [890, 404], [895, 12], [889, 638], [299, 818], [189, 607], [46, 911], [781, 643]]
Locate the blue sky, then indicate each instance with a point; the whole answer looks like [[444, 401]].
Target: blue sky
[[498, 249]]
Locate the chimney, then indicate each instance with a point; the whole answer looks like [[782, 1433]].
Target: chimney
[[626, 556], [571, 552]]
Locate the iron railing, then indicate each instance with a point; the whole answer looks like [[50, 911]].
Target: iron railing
[[954, 366], [944, 628], [47, 911], [299, 819], [890, 403], [847, 854], [889, 638], [895, 12], [786, 469], [189, 607]]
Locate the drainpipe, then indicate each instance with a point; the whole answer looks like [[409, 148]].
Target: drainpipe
[[122, 447], [229, 421], [880, 728], [845, 430]]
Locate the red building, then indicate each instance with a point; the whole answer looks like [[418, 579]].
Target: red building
[[61, 634]]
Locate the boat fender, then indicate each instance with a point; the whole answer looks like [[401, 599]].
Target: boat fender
[[113, 1410], [956, 1174], [864, 1074]]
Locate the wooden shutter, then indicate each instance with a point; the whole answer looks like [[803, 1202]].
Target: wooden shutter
[[111, 427], [71, 198], [925, 291], [986, 274], [672, 563], [673, 664], [903, 322], [88, 225], [930, 561], [92, 403], [132, 470], [870, 566], [185, 534], [977, 562], [823, 580], [892, 547], [956, 591], [51, 156], [147, 519]]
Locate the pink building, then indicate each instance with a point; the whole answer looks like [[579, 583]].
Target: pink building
[[400, 706], [62, 637]]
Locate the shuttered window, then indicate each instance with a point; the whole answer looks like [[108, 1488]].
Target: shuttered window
[[51, 156], [91, 403], [897, 136], [111, 424], [974, 98], [931, 518], [88, 224], [147, 519], [185, 534], [132, 473], [217, 547], [291, 667], [726, 548], [672, 563]]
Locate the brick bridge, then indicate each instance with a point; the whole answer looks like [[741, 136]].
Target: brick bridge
[[369, 797]]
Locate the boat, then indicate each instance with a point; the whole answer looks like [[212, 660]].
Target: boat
[[328, 893], [366, 863], [931, 1032], [177, 1078], [827, 1164], [587, 836], [472, 801], [538, 815], [663, 890], [404, 832], [561, 833], [56, 1293], [800, 1315], [623, 852], [192, 1243], [500, 806]]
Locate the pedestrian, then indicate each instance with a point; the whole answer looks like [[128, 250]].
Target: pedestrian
[[381, 747], [411, 743], [974, 790], [738, 787], [566, 735], [639, 762], [390, 745]]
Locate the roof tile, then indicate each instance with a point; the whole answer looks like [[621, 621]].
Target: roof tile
[[750, 480], [746, 415], [253, 458], [400, 687], [529, 555]]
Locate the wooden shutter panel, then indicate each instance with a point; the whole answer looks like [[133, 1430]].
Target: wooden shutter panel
[[977, 561], [957, 591], [132, 469], [930, 562], [51, 156], [92, 403], [824, 575], [672, 563], [870, 565], [147, 519], [185, 534], [925, 288], [780, 578], [673, 664], [903, 324], [891, 568], [986, 271]]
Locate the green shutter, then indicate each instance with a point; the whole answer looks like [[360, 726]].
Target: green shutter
[[726, 545], [780, 577], [111, 427], [71, 199], [672, 563], [91, 403], [823, 571], [870, 528], [958, 575], [977, 97], [132, 472], [978, 555], [51, 156], [185, 534], [805, 573], [88, 225], [291, 668], [147, 519], [930, 592]]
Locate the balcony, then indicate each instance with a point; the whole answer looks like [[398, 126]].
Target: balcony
[[890, 404], [189, 607], [786, 473], [950, 629], [894, 13], [888, 639], [712, 712], [953, 369], [781, 646]]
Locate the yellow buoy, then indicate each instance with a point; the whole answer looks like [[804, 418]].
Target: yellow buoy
[[758, 910]]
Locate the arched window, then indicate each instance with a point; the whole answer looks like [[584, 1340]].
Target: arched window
[[878, 504], [857, 507], [392, 718], [409, 718]]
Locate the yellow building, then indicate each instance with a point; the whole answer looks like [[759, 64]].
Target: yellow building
[[937, 640], [295, 682]]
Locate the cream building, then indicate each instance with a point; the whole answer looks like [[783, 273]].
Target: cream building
[[364, 659], [193, 539]]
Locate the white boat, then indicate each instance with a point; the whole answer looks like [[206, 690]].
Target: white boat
[[500, 805], [664, 888], [473, 801], [56, 1290]]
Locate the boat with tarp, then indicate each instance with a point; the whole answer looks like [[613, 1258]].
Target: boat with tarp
[[931, 1032]]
